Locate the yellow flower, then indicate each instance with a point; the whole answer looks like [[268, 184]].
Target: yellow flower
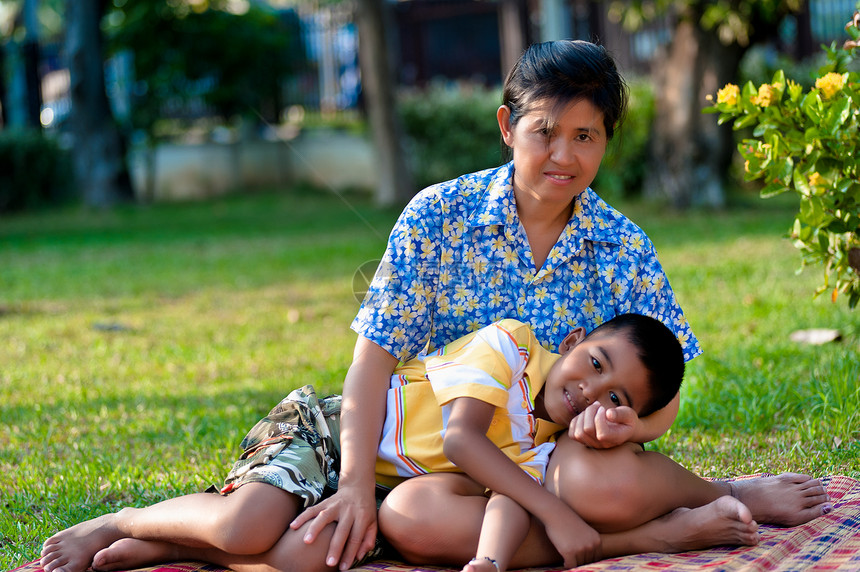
[[766, 95], [830, 84], [815, 179], [729, 94], [818, 183]]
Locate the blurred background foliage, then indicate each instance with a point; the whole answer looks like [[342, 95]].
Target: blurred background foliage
[[235, 63], [451, 130], [35, 171], [175, 67]]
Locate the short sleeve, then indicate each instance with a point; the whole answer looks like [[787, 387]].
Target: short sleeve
[[396, 313], [484, 368], [652, 295]]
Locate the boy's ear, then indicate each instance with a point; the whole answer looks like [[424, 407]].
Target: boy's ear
[[572, 340]]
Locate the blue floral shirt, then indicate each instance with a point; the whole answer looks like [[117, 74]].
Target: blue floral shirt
[[458, 259]]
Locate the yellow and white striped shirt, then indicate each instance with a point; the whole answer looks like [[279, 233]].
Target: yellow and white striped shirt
[[502, 364]]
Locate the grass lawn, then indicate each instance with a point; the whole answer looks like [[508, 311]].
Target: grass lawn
[[138, 345]]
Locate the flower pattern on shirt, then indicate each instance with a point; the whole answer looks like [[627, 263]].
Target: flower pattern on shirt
[[458, 259]]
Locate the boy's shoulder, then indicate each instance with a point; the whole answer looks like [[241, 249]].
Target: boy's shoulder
[[503, 335], [514, 332], [513, 326]]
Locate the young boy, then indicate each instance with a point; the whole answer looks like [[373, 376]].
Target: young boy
[[487, 405], [640, 354]]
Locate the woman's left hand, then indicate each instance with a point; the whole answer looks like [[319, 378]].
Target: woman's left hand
[[601, 428]]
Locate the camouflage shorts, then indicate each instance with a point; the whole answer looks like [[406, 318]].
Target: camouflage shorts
[[296, 447]]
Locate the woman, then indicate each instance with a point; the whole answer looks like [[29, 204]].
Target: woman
[[531, 240]]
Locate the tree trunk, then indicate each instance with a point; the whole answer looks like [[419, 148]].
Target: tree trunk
[[30, 53], [854, 259], [691, 154], [512, 33], [98, 150], [4, 101], [377, 78]]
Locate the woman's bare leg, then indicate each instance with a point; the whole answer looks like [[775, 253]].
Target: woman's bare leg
[[248, 521], [621, 488]]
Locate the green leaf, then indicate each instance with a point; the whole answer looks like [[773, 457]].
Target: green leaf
[[838, 111], [812, 213], [802, 231], [812, 106], [745, 121], [785, 169], [838, 226], [772, 190], [779, 79], [748, 92], [764, 128], [812, 134], [801, 183]]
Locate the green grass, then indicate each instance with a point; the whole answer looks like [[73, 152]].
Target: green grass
[[138, 345]]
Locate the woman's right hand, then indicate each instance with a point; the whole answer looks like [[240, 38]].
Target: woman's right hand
[[354, 514]]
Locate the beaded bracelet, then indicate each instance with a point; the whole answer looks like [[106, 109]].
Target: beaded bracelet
[[487, 558]]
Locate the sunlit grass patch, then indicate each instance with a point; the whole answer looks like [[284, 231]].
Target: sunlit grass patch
[[138, 345]]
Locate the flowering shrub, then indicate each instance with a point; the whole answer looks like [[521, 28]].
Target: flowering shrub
[[808, 143]]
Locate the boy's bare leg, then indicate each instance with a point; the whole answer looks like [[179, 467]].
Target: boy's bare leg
[[436, 519], [289, 554], [248, 521]]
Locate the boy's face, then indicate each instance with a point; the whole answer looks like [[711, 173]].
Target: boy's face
[[605, 368]]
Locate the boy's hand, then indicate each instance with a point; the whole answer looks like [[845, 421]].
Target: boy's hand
[[601, 428], [575, 541], [354, 515]]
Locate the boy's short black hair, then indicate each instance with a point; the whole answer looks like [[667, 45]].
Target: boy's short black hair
[[659, 351]]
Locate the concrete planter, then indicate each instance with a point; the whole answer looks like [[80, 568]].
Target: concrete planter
[[189, 171]]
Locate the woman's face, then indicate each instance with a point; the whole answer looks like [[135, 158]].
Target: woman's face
[[554, 161]]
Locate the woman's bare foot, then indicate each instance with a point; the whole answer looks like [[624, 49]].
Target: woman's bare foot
[[72, 550], [788, 499], [725, 521], [130, 553]]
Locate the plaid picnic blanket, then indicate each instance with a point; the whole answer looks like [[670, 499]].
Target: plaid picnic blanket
[[830, 542]]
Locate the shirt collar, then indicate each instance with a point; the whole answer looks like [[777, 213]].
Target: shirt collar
[[496, 206], [592, 218]]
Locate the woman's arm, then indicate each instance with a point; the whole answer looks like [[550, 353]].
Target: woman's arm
[[658, 422], [353, 506], [601, 428], [467, 446]]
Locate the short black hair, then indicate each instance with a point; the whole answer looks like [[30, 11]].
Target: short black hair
[[564, 72], [659, 351]]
